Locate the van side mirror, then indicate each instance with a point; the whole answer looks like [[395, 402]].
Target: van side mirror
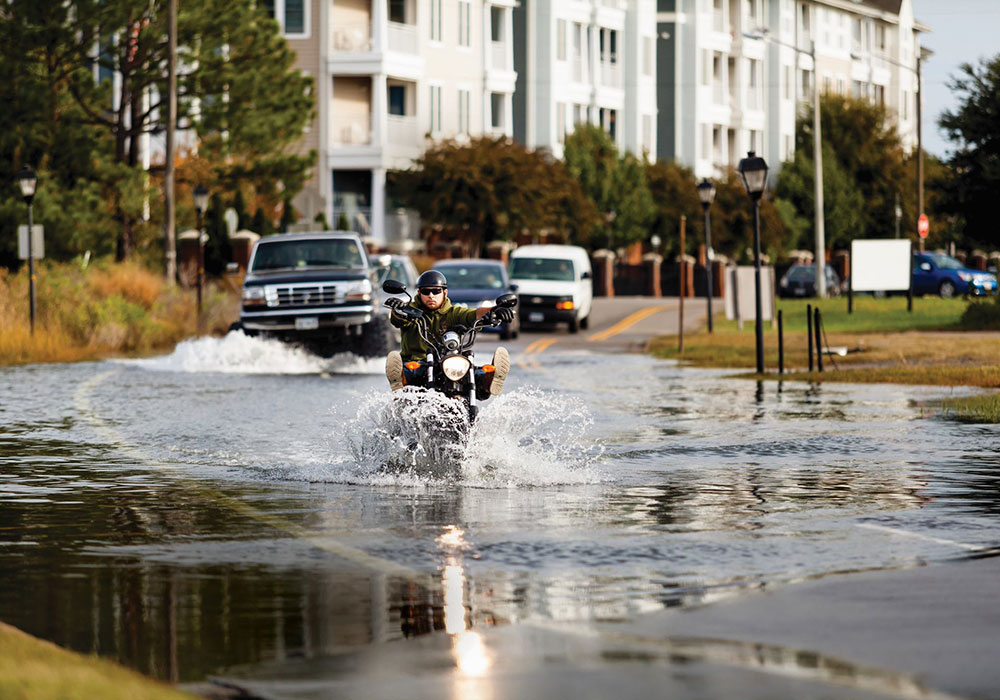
[[585, 275]]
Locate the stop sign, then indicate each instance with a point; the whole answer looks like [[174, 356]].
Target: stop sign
[[923, 226]]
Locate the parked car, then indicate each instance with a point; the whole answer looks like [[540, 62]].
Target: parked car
[[396, 267], [800, 281], [554, 283], [935, 273], [471, 282], [317, 290]]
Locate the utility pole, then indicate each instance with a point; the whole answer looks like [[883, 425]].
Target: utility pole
[[920, 151], [818, 161], [683, 286], [169, 200]]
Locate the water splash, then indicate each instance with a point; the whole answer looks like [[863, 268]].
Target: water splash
[[524, 438], [237, 353]]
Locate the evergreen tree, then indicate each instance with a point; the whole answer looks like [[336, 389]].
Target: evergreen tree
[[218, 249], [261, 224], [287, 216]]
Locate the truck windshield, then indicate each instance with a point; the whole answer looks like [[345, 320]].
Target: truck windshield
[[281, 255], [542, 269]]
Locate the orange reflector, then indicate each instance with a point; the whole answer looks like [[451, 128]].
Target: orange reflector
[[489, 368], [412, 365], [564, 305]]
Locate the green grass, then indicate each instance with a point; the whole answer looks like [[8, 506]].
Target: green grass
[[870, 314], [983, 408], [32, 669]]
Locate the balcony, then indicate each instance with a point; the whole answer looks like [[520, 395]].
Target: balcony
[[353, 38], [402, 130], [403, 38], [351, 130], [498, 56], [611, 74]]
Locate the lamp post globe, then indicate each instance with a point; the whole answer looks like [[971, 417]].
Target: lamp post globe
[[706, 194], [27, 179], [753, 171]]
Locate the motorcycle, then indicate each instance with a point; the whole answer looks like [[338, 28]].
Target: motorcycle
[[449, 367]]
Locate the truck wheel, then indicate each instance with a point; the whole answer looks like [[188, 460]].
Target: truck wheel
[[585, 323], [378, 338], [574, 326]]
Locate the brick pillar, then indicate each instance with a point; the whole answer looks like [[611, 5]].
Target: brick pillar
[[242, 243], [187, 258], [652, 262], [603, 263]]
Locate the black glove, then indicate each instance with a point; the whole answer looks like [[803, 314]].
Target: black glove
[[503, 315], [394, 302]]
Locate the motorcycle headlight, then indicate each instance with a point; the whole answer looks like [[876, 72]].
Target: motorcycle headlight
[[455, 367]]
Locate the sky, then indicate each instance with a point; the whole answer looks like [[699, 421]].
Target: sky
[[962, 31]]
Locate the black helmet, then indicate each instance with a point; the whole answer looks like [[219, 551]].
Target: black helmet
[[432, 278]]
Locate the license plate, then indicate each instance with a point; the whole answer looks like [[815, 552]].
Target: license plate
[[536, 317], [306, 323]]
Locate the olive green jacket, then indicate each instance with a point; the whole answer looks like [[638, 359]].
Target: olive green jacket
[[438, 321]]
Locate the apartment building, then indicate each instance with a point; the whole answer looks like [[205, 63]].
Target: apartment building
[[585, 61], [392, 76], [733, 74]]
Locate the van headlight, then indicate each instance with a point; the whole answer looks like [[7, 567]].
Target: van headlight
[[456, 367], [359, 291]]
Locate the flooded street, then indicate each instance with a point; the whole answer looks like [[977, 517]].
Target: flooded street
[[223, 510]]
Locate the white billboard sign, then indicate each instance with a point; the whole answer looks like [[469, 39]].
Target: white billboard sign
[[37, 241], [880, 265]]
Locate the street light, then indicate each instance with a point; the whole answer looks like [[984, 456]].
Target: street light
[[27, 179], [753, 170], [200, 202], [706, 193]]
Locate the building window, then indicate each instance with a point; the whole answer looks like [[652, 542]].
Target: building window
[[788, 82], [608, 118], [290, 14], [647, 55], [463, 111], [647, 133], [579, 114], [435, 109], [906, 105], [609, 46], [496, 110], [561, 122], [496, 24], [561, 40], [464, 13], [435, 20], [397, 11], [397, 99]]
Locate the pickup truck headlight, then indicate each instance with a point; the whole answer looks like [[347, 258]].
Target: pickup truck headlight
[[253, 296], [359, 291]]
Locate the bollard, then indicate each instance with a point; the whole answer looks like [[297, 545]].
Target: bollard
[[781, 343], [819, 344], [809, 333]]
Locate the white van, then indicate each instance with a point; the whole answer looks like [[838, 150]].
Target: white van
[[554, 283]]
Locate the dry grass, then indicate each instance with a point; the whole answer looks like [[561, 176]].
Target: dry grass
[[105, 310], [31, 669]]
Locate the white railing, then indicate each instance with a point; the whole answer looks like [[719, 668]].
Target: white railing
[[352, 38], [578, 70], [611, 74], [351, 131], [719, 96], [358, 219], [402, 130], [499, 55], [616, 4], [403, 38], [718, 21]]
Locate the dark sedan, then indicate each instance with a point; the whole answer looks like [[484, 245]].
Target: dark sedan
[[471, 282], [800, 281]]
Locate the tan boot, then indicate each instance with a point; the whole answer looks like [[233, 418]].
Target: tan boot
[[501, 360], [394, 370]]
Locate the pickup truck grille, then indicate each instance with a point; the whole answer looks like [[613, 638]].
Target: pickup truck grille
[[301, 295]]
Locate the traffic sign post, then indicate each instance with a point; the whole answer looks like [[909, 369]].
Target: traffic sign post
[[923, 228]]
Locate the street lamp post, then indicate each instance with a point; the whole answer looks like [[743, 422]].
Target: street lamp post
[[706, 193], [200, 202], [27, 179], [753, 170]]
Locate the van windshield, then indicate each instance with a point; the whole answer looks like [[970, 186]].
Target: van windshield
[[553, 269]]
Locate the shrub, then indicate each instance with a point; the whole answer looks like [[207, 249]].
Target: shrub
[[982, 315]]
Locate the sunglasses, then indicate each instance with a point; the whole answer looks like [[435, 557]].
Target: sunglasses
[[428, 291]]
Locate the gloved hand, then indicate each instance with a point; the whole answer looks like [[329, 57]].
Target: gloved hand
[[503, 315], [394, 302]]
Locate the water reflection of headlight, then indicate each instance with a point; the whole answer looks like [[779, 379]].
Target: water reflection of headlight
[[470, 654], [455, 367]]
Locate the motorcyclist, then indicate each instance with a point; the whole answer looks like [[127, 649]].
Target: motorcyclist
[[441, 314]]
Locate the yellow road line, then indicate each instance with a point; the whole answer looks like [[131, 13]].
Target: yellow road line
[[81, 400], [626, 323], [528, 357]]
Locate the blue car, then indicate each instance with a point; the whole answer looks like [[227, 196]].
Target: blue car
[[473, 281], [934, 273]]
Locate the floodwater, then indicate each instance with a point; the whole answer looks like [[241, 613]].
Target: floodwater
[[224, 508]]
